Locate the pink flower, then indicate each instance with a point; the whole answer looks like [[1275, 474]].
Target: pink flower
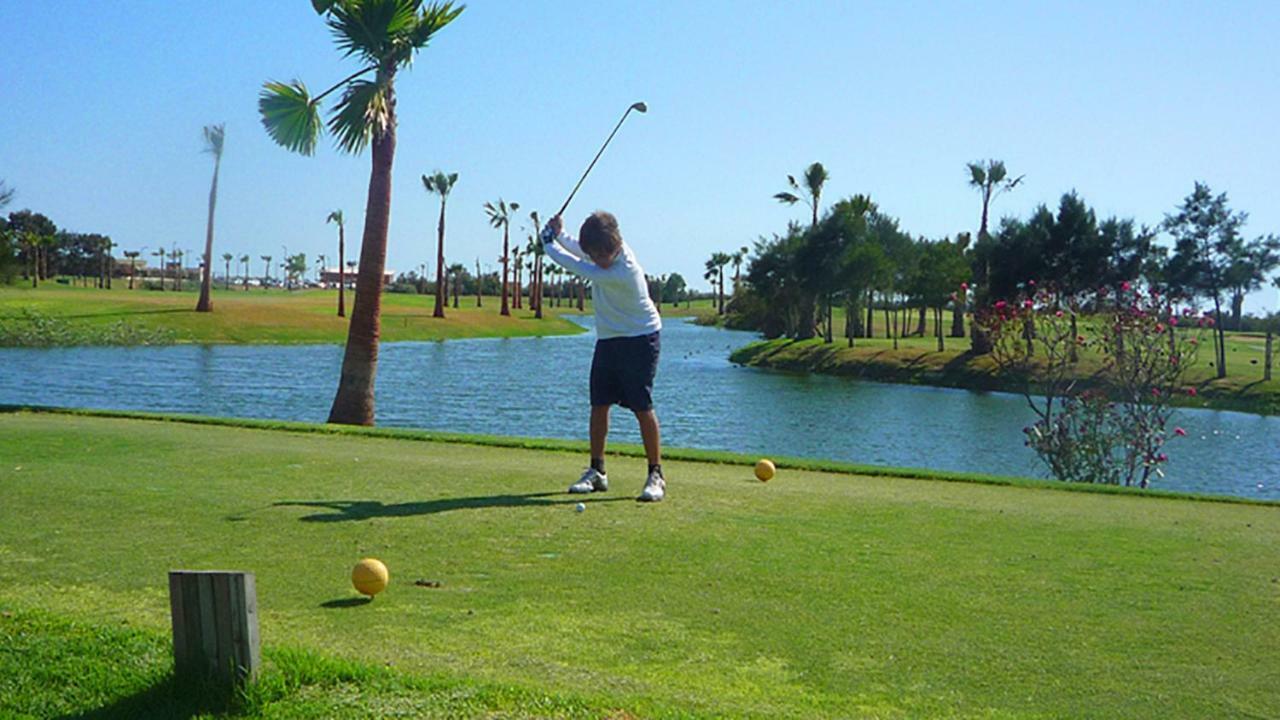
[[1173, 359], [1032, 283], [1162, 457], [964, 286], [1000, 304], [1208, 321], [1159, 327], [1155, 391], [953, 296], [1191, 391], [1027, 303], [1179, 432], [1125, 286], [1173, 319], [1058, 314]]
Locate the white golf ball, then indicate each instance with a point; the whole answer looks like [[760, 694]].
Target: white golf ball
[[580, 507]]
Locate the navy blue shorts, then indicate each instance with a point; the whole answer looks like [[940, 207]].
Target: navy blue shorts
[[622, 371]]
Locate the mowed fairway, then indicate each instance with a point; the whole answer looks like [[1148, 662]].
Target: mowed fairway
[[276, 316], [814, 595]]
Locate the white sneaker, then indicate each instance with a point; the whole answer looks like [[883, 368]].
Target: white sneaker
[[654, 488], [591, 481]]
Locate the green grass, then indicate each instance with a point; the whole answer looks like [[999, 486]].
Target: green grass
[[918, 361], [819, 594], [275, 316]]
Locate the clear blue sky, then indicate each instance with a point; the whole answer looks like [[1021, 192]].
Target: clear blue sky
[[1127, 103]]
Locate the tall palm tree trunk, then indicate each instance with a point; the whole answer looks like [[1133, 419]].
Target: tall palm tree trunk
[[536, 293], [354, 404], [342, 270], [441, 299], [205, 303], [505, 250]]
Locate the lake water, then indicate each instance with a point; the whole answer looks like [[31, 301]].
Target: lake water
[[538, 387]]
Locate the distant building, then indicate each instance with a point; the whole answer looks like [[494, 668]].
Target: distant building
[[330, 276]]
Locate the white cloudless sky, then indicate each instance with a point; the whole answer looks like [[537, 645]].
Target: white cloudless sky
[[1129, 103]]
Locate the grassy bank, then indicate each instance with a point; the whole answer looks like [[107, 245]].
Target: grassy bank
[[817, 595], [917, 361], [271, 316]]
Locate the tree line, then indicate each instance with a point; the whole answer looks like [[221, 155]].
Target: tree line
[[853, 255]]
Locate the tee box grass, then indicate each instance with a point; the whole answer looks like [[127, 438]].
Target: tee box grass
[[817, 594]]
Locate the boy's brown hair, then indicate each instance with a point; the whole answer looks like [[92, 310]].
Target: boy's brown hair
[[599, 234]]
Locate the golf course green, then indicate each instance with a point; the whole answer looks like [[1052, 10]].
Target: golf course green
[[818, 594]]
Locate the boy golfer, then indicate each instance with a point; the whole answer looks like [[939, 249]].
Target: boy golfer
[[627, 344]]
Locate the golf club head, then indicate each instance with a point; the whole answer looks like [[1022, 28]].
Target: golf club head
[[640, 106]]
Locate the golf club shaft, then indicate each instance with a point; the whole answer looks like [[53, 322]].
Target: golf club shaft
[[593, 161]]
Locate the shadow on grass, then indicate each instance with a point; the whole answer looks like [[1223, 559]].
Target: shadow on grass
[[346, 603], [343, 510], [170, 699]]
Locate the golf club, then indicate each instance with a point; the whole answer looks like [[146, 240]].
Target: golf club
[[634, 106]]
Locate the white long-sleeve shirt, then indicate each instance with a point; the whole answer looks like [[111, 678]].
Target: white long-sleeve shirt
[[619, 293]]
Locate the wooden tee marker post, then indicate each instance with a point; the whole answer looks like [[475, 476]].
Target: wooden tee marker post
[[215, 626]]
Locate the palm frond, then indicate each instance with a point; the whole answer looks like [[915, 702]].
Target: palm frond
[[815, 176], [438, 183], [787, 198], [361, 114], [6, 194], [290, 116], [213, 136], [996, 171], [335, 217], [374, 29], [977, 176], [435, 17]]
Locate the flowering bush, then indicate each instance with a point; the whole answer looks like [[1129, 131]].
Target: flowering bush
[[1115, 434]]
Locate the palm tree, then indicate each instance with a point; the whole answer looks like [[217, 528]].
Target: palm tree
[[336, 217], [479, 283], [244, 259], [455, 271], [133, 264], [500, 217], [226, 279], [177, 277], [815, 176], [715, 273], [519, 265], [266, 270], [737, 258], [213, 135], [535, 292], [107, 265], [160, 254], [441, 185], [385, 35], [320, 260], [6, 194], [990, 179]]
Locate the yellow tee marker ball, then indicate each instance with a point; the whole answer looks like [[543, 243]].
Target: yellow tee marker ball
[[370, 576], [765, 469]]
